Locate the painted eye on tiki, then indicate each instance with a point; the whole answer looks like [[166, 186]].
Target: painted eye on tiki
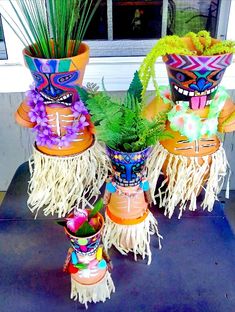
[[36, 77], [65, 78], [217, 76], [181, 77]]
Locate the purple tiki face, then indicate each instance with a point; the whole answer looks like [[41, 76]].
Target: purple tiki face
[[128, 168], [55, 80], [195, 79], [57, 88]]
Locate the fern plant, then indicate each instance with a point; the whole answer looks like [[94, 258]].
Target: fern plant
[[120, 124], [202, 41]]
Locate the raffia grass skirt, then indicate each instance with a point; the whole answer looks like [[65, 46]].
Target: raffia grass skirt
[[185, 178], [93, 293], [133, 238], [57, 183]]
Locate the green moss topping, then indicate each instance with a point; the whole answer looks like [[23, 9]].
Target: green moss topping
[[202, 41]]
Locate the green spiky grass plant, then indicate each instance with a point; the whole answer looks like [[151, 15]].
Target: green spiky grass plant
[[202, 41], [39, 22], [120, 124]]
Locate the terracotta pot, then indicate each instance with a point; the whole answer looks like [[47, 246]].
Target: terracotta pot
[[59, 119], [195, 78], [86, 251], [56, 79], [84, 245], [127, 205], [21, 116], [228, 112]]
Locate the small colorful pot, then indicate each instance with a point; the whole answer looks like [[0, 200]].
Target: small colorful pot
[[195, 78], [86, 245], [87, 251], [128, 168]]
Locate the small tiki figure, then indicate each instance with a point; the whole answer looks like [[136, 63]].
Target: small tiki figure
[[86, 261], [129, 223]]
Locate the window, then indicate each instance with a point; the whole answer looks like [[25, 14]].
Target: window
[[3, 51], [139, 23], [130, 28], [120, 38]]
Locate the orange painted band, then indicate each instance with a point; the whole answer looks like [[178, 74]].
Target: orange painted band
[[126, 221]]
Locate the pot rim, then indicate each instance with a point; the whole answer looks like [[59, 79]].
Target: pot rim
[[196, 56], [78, 237], [130, 153], [83, 45]]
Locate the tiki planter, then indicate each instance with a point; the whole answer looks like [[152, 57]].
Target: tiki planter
[[129, 223], [88, 266], [193, 158], [65, 149], [128, 135]]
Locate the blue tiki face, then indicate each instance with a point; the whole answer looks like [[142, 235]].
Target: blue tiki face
[[128, 168]]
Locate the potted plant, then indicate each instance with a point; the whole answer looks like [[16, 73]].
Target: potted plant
[[65, 149], [193, 158], [86, 261], [128, 137]]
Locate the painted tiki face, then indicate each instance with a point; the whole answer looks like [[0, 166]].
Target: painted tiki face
[[85, 246], [54, 80], [195, 79], [128, 168]]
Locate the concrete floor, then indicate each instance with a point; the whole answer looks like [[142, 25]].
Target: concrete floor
[[2, 194], [194, 271]]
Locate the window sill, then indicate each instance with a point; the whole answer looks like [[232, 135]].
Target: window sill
[[117, 73]]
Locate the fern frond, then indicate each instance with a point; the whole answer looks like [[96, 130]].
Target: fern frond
[[136, 88]]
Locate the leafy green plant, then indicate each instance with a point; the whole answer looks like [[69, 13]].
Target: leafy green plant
[[120, 124], [46, 27], [204, 45]]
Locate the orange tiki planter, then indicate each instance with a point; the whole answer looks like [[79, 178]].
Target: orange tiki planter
[[65, 148], [129, 223], [196, 107], [87, 264]]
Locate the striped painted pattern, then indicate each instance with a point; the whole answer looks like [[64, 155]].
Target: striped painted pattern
[[199, 63]]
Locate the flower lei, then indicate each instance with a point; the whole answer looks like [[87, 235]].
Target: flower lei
[[189, 124], [45, 136]]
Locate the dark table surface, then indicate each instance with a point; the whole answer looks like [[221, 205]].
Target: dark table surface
[[194, 271]]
